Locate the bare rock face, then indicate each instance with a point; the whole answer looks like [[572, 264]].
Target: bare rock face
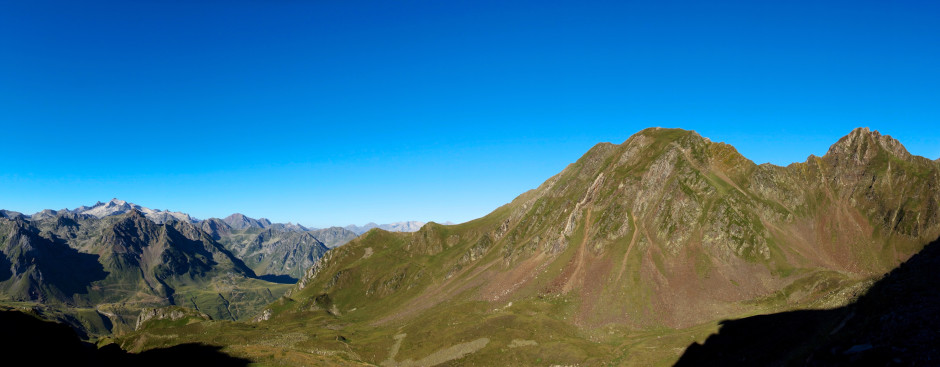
[[263, 316], [172, 313]]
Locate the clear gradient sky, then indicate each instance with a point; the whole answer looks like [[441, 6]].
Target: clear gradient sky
[[335, 112]]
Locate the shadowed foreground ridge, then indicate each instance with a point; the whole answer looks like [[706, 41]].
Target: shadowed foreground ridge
[[44, 343], [896, 323]]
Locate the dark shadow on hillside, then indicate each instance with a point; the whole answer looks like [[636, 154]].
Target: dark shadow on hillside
[[32, 341], [68, 269], [193, 250], [280, 279], [5, 264], [55, 269], [896, 323]]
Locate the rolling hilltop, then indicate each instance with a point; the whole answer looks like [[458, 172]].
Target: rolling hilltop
[[625, 257]]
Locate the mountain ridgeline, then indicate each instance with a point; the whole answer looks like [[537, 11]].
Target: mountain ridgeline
[[409, 226], [97, 267], [667, 230], [280, 251]]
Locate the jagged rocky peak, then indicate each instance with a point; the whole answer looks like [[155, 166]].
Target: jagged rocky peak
[[10, 214], [112, 207], [47, 213], [289, 226], [241, 221], [216, 228], [133, 231], [118, 207], [863, 144]]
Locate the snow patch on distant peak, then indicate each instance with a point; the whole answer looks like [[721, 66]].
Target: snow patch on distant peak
[[118, 207]]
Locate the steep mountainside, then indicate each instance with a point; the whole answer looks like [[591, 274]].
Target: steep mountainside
[[275, 251], [667, 231], [670, 210], [101, 272]]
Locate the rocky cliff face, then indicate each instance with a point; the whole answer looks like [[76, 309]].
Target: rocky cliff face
[[172, 313], [666, 229]]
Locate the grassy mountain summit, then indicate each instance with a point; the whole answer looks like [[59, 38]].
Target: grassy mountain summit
[[625, 256]]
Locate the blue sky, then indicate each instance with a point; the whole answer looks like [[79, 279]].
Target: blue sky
[[338, 112]]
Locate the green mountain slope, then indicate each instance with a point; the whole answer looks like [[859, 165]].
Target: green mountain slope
[[625, 257]]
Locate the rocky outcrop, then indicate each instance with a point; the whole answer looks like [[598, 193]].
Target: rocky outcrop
[[172, 313]]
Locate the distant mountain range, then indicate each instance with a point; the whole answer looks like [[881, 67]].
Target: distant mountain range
[[236, 220], [98, 273], [274, 251], [411, 226], [113, 207], [118, 257]]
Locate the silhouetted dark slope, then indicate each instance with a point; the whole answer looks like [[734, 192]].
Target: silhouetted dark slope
[[35, 342], [896, 323]]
